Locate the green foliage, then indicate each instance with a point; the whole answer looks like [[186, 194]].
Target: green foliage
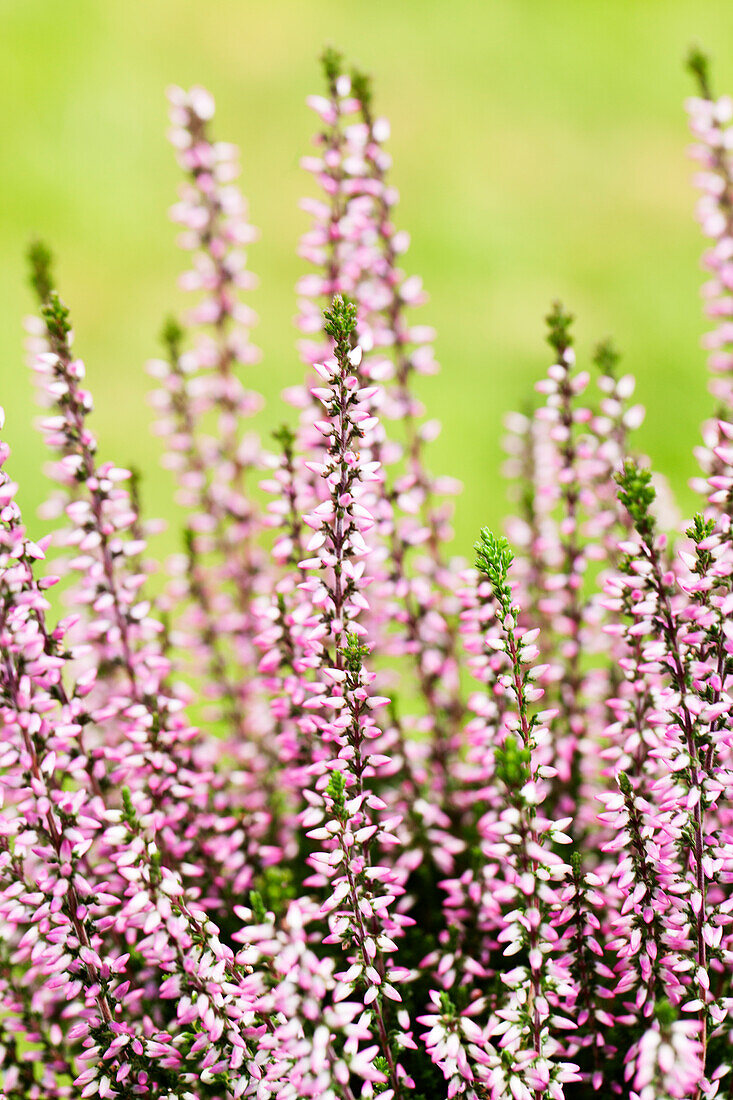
[[275, 888], [637, 494], [53, 311], [135, 484], [189, 542], [285, 436], [40, 258], [512, 763], [606, 357], [336, 791], [382, 1066], [354, 653], [665, 1013], [699, 530], [56, 316], [340, 321], [172, 338], [332, 61], [625, 785], [558, 328], [361, 86], [494, 557], [258, 907], [698, 63], [129, 814]]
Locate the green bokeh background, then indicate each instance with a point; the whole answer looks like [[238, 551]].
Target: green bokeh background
[[539, 150]]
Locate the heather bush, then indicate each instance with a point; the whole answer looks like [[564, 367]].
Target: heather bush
[[336, 815]]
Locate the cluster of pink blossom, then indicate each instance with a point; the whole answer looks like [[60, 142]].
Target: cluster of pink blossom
[[336, 816]]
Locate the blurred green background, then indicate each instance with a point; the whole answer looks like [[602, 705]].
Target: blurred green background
[[539, 151]]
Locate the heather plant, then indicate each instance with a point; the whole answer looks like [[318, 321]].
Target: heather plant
[[331, 813]]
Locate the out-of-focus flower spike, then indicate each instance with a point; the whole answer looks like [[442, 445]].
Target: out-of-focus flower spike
[[202, 388], [384, 296], [222, 578], [213, 590], [711, 120]]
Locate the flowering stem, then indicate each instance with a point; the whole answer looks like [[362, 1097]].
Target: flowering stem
[[516, 767], [637, 495]]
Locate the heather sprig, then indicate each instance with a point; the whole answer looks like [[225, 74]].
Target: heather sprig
[[356, 248], [529, 864]]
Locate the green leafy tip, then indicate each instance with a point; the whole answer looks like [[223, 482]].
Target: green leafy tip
[[637, 494], [40, 259], [381, 1065], [698, 64], [665, 1013], [172, 337], [606, 357], [129, 814], [332, 61], [700, 528], [361, 87], [285, 436], [257, 905], [558, 328], [189, 542], [336, 791], [274, 889], [354, 653], [56, 316], [512, 764], [340, 320], [136, 478], [624, 784], [494, 558]]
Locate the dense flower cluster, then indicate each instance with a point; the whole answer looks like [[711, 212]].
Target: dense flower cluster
[[335, 815]]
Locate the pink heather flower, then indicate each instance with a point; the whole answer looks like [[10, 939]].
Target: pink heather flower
[[666, 1061], [459, 1047]]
